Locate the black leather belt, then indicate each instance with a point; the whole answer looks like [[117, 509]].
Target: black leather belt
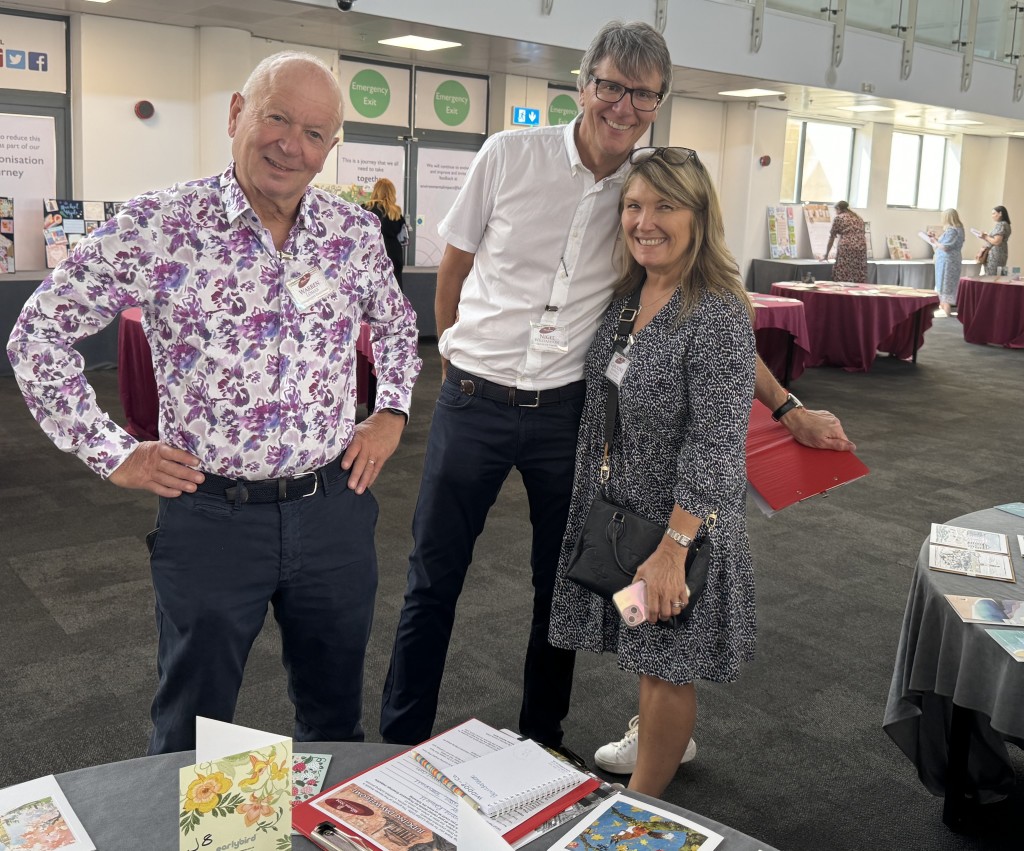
[[273, 490], [472, 385]]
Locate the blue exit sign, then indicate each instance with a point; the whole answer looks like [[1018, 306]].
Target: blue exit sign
[[525, 116]]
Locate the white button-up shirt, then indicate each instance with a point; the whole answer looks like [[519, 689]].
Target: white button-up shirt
[[543, 232]]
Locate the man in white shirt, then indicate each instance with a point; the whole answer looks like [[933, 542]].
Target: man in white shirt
[[525, 278]]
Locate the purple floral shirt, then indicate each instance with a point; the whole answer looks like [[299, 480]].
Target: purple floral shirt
[[250, 382]]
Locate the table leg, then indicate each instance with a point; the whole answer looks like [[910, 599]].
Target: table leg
[[958, 806], [788, 371], [917, 334]]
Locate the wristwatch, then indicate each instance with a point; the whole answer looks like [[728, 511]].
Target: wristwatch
[[394, 411], [678, 537], [787, 406]]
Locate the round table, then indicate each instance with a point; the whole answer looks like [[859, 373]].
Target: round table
[[848, 324], [134, 804], [991, 310], [780, 331], [947, 669]]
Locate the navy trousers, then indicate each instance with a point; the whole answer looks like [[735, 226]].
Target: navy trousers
[[217, 565], [473, 445]]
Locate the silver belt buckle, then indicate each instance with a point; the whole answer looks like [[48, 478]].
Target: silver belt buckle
[[536, 402], [316, 483]]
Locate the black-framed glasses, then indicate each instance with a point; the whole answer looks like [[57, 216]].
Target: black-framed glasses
[[672, 156], [643, 100]]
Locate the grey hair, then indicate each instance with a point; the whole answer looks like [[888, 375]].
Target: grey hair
[[262, 73], [635, 48]]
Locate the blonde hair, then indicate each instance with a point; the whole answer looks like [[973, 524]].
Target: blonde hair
[[951, 218], [384, 196], [709, 265]]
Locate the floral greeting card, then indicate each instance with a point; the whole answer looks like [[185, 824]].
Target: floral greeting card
[[35, 816], [308, 773], [239, 792]]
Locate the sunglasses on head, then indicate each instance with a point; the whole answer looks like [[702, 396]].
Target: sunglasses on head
[[672, 156]]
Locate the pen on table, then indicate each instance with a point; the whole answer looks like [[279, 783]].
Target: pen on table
[[441, 778]]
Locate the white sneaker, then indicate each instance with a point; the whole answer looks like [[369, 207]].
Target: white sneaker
[[620, 757]]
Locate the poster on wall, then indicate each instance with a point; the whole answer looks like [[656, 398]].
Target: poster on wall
[[819, 225], [360, 165], [67, 222], [6, 235], [33, 54], [563, 106], [375, 94], [440, 174], [449, 102], [782, 231], [28, 174]]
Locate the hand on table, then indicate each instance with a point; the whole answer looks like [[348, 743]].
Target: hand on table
[[159, 468], [375, 440]]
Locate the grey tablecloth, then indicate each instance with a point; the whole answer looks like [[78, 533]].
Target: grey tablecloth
[[130, 805], [942, 660]]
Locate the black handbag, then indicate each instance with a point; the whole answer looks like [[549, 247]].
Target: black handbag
[[614, 541]]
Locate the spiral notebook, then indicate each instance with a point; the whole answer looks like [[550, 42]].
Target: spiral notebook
[[514, 777]]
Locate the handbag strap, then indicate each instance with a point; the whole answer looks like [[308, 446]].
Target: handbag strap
[[627, 318]]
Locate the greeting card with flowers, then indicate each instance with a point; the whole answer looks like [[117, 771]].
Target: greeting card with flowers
[[35, 816], [308, 773], [239, 792]]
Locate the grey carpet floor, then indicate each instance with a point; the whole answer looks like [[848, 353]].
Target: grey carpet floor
[[793, 753]]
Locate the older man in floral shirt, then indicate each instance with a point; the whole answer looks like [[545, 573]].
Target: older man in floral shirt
[[252, 286]]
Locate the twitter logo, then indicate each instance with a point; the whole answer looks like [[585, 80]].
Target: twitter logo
[[15, 59]]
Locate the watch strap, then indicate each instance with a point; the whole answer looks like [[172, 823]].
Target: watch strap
[[787, 406]]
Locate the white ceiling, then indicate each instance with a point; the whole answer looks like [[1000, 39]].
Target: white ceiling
[[357, 34]]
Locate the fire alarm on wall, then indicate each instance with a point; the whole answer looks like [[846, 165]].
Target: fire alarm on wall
[[144, 109], [765, 160]]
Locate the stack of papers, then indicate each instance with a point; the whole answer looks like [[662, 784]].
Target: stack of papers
[[970, 552]]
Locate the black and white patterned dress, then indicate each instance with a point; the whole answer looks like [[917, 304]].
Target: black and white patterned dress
[[684, 407]]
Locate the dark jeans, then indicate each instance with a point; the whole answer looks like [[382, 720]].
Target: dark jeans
[[217, 565], [473, 445]]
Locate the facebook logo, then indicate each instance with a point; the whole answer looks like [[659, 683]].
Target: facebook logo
[[37, 61], [16, 59]]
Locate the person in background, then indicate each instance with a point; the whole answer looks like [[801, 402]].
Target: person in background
[[393, 228], [252, 287], [998, 254], [949, 259], [519, 296], [852, 252], [678, 455]]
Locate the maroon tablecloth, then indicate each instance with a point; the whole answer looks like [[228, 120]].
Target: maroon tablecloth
[[780, 330], [992, 311], [137, 386], [135, 381], [848, 324]]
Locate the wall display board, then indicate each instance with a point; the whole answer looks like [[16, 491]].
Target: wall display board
[[819, 225], [28, 174], [6, 235], [563, 106], [66, 223], [867, 240], [33, 54], [360, 165], [782, 231], [375, 94], [440, 174], [448, 102], [899, 249]]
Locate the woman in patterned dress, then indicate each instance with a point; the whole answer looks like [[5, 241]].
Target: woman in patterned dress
[[678, 454], [997, 238], [949, 259], [852, 252]]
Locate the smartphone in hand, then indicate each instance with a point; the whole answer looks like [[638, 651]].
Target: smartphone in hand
[[631, 602]]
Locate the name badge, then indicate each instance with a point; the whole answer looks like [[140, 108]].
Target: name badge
[[548, 337], [308, 289], [617, 367]]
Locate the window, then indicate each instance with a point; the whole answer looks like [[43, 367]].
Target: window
[[817, 162], [916, 167]]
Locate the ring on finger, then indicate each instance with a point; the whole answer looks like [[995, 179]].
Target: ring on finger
[[371, 461], [677, 604]]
